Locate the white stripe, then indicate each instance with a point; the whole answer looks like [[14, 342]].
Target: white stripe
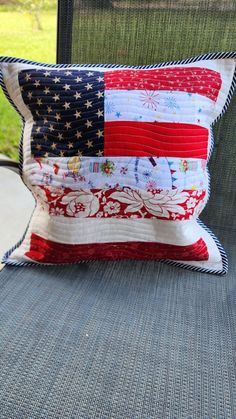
[[159, 106], [90, 230], [100, 230]]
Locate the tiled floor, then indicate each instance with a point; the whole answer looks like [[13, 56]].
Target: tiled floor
[[16, 206]]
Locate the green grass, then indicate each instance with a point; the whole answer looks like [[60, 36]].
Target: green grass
[[19, 39]]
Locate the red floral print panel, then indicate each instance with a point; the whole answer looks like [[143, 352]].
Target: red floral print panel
[[169, 204]]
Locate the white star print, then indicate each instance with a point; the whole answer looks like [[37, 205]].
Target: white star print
[[67, 125], [56, 97], [37, 83], [89, 123], [27, 77], [58, 116], [99, 133], [99, 113], [77, 114], [88, 104], [78, 134], [66, 105], [57, 80], [89, 144], [99, 94], [46, 90], [77, 95]]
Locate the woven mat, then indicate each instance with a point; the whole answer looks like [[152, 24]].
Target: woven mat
[[119, 340]]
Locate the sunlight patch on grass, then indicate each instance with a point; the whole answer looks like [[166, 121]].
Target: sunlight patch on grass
[[19, 39]]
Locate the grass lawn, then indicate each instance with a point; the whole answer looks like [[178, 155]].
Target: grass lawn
[[18, 39]]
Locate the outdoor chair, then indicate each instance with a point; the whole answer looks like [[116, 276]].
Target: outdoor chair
[[129, 339]]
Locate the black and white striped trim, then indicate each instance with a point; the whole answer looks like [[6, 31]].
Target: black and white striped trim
[[209, 56]]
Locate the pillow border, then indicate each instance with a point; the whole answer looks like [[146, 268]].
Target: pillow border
[[209, 56]]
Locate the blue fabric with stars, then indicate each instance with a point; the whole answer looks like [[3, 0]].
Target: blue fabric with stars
[[68, 111]]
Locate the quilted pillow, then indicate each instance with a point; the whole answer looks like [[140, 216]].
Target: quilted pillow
[[116, 159]]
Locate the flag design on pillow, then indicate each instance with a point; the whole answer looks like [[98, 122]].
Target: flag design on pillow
[[86, 117], [161, 112], [116, 159]]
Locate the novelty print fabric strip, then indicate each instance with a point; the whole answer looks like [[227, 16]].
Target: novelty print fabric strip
[[136, 172]]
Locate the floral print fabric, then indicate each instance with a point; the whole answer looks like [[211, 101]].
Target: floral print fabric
[[121, 203]]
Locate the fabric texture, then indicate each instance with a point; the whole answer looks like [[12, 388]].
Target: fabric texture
[[118, 340], [116, 159]]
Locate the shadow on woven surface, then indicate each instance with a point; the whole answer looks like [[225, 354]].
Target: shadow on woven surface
[[118, 340]]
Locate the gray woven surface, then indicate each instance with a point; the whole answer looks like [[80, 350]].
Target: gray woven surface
[[118, 340]]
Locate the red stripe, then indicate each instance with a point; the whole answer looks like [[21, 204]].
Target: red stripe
[[47, 251], [118, 202], [125, 138], [203, 81]]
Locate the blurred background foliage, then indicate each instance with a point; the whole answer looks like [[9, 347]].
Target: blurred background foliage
[[27, 30]]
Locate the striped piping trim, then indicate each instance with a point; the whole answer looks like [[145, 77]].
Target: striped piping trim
[[209, 56]]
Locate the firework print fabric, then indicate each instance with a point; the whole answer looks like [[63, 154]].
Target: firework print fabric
[[116, 159]]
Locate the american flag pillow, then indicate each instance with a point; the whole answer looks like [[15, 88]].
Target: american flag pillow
[[116, 159]]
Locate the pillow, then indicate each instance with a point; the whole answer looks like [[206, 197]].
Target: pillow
[[116, 159]]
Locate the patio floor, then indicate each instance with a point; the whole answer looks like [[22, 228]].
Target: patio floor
[[16, 207]]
